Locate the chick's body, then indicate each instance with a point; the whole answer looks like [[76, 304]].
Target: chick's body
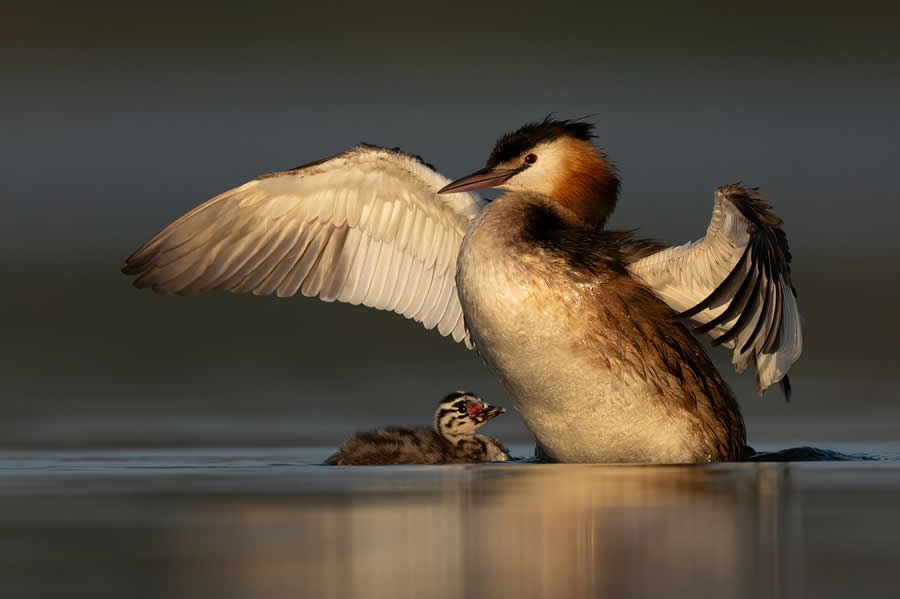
[[452, 441]]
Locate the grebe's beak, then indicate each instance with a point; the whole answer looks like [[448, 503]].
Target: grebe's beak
[[486, 177], [490, 412]]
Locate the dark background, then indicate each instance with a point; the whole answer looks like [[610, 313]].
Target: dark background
[[116, 120]]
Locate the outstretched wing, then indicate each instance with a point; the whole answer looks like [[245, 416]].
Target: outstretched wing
[[364, 227], [734, 284]]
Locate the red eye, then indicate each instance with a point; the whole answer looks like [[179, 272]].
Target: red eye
[[530, 158]]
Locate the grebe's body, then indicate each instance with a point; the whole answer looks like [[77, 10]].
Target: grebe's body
[[586, 328], [596, 365], [453, 439]]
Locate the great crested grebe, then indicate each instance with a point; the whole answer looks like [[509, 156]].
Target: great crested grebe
[[583, 326], [453, 440]]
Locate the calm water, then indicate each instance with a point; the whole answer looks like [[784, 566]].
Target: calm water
[[274, 523]]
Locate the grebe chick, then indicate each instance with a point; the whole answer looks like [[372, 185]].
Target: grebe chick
[[453, 439]]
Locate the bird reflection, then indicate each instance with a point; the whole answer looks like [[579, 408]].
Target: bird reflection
[[540, 530]]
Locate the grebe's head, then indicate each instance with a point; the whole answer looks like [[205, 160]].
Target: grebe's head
[[461, 414], [554, 158]]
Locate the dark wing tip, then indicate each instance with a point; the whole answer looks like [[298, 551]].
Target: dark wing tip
[[738, 301], [771, 254], [758, 213], [139, 263], [786, 388], [724, 290]]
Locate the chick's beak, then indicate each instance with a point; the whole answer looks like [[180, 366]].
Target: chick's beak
[[491, 412], [486, 177]]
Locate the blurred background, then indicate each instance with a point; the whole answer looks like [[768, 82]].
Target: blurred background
[[116, 119]]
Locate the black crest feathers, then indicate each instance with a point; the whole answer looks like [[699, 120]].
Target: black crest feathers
[[527, 136]]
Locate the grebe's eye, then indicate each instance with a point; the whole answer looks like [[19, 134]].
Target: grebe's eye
[[531, 158], [463, 409]]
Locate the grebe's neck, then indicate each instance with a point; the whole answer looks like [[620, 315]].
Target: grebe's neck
[[589, 186]]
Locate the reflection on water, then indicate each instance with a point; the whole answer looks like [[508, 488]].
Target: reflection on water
[[539, 530], [266, 524]]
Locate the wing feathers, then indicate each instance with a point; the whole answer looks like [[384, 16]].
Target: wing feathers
[[326, 265], [305, 264], [402, 280], [273, 280], [734, 284], [772, 340], [379, 278], [747, 312], [764, 314], [251, 280], [726, 289], [364, 227], [412, 288], [736, 306]]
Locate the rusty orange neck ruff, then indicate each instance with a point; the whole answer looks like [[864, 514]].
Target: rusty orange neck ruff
[[589, 187]]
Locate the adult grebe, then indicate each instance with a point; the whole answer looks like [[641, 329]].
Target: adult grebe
[[579, 323]]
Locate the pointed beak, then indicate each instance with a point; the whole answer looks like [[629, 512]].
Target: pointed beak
[[486, 177], [491, 412]]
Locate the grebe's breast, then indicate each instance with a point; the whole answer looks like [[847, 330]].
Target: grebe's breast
[[571, 336]]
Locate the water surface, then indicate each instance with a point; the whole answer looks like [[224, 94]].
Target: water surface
[[274, 523]]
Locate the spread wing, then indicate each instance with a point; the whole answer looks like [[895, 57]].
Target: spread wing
[[364, 227], [734, 284]]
